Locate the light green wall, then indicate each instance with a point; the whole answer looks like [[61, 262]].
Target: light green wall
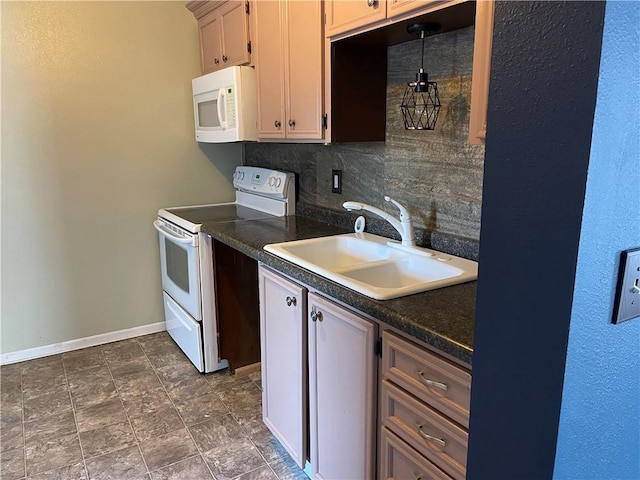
[[97, 134]]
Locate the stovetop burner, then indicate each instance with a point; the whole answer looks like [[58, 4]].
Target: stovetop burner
[[218, 213], [260, 193]]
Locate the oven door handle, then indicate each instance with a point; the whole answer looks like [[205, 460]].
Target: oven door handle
[[166, 233]]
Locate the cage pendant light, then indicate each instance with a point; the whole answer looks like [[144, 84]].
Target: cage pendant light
[[421, 103]]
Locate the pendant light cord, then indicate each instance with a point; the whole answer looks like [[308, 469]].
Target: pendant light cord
[[422, 58]]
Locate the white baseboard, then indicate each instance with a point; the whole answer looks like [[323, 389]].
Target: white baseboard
[[70, 345]]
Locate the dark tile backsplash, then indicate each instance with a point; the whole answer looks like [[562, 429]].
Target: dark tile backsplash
[[436, 174]]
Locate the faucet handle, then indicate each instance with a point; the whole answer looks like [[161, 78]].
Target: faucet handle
[[404, 214]]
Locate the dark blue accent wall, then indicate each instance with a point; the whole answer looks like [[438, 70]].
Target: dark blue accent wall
[[541, 108]]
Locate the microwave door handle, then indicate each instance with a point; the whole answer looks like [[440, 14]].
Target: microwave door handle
[[173, 238], [222, 109]]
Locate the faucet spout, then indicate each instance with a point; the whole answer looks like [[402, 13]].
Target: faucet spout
[[404, 226]]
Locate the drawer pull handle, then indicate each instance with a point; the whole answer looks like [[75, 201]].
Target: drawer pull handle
[[291, 301], [417, 476], [431, 383], [431, 438]]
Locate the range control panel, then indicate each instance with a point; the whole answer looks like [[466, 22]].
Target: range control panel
[[263, 181]]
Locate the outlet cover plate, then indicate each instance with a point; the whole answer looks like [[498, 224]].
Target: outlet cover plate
[[336, 181], [627, 301]]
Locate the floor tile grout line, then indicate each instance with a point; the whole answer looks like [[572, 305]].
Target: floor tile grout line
[[254, 443], [75, 418], [75, 422], [229, 412], [246, 430], [137, 440], [200, 453], [126, 413], [24, 433], [250, 437], [153, 367]]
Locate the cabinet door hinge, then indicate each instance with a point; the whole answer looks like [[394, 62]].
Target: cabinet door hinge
[[249, 47], [325, 121], [246, 8], [379, 347]]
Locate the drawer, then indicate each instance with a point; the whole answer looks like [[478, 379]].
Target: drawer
[[436, 437], [184, 330], [428, 376], [401, 462]]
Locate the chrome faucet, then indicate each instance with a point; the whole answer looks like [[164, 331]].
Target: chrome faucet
[[404, 226]]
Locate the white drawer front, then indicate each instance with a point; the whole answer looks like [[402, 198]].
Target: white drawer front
[[184, 330]]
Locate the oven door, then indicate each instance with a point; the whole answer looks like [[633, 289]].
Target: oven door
[[180, 267]]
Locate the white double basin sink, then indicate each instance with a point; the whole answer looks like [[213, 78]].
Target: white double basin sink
[[375, 266]]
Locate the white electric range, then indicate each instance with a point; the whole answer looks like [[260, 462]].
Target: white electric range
[[187, 265]]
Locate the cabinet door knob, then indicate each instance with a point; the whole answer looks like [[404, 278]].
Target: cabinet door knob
[[292, 123], [316, 316], [291, 301], [277, 124], [216, 61], [431, 383], [224, 58], [430, 438], [372, 3]]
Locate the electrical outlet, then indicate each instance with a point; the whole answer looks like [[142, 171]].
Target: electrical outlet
[[627, 301], [336, 181]]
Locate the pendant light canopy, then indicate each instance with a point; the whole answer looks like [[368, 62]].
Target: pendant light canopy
[[421, 104]]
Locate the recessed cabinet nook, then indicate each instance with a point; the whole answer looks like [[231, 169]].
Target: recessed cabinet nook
[[321, 64], [363, 396]]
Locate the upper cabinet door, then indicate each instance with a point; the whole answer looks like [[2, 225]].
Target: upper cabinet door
[[288, 58], [345, 15], [303, 47], [269, 60], [210, 47], [235, 34], [224, 36]]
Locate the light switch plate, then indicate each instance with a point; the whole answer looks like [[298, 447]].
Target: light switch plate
[[627, 301]]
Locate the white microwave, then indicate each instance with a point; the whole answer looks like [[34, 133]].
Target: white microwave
[[224, 105]]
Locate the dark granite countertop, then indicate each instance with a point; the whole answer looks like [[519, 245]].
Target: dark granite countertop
[[442, 318]]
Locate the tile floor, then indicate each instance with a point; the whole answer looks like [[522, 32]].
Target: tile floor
[[135, 409]]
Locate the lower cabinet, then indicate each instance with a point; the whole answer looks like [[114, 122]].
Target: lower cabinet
[[342, 391], [301, 331], [283, 332], [320, 391], [424, 411]]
